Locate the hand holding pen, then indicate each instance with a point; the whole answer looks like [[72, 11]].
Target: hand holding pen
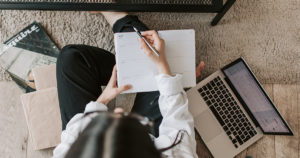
[[145, 40], [159, 45]]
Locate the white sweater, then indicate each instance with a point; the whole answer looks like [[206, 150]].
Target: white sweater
[[173, 104]]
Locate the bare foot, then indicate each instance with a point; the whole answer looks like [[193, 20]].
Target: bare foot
[[199, 68], [111, 17]]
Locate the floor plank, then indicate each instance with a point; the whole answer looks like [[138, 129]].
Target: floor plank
[[285, 97]]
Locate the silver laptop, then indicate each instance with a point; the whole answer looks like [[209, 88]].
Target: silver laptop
[[232, 111]]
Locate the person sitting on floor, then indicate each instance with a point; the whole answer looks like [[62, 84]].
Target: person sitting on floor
[[89, 131]]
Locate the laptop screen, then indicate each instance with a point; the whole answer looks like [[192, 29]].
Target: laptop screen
[[255, 98]]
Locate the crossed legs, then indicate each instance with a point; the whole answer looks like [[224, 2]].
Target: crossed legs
[[82, 70]]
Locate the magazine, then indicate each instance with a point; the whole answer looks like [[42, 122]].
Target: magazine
[[28, 49]]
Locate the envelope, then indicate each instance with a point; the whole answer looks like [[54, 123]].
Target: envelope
[[45, 77], [43, 117]]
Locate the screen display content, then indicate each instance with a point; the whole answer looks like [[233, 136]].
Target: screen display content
[[256, 100]]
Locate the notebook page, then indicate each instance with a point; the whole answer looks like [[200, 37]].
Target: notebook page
[[135, 68]]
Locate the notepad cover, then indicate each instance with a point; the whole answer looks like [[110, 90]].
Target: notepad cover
[[43, 119]]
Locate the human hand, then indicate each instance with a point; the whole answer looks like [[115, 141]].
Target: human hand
[[112, 90], [159, 44]]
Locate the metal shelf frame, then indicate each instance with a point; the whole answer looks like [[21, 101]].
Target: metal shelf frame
[[215, 7]]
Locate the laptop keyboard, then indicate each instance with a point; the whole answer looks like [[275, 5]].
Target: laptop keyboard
[[227, 111]]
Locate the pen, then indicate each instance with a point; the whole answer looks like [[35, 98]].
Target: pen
[[148, 44]]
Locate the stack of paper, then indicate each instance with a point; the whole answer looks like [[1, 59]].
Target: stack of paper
[[42, 111], [135, 68]]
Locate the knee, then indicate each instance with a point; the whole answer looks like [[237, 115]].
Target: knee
[[68, 53], [69, 56]]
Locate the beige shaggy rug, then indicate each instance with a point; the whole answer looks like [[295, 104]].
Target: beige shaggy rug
[[265, 32]]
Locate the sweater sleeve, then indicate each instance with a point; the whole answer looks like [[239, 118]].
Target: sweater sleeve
[[173, 104], [76, 125]]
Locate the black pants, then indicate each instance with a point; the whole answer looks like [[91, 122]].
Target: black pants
[[81, 70]]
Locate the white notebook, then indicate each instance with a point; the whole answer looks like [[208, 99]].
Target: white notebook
[[135, 68]]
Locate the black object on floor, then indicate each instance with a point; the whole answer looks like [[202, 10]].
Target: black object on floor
[[29, 89], [204, 6]]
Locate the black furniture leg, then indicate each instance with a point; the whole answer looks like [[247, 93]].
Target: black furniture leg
[[225, 8]]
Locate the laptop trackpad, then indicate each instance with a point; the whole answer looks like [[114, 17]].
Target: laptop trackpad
[[207, 126]]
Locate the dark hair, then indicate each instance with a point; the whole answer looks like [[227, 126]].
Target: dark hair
[[110, 137]]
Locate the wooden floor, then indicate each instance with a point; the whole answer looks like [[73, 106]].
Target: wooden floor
[[15, 142]]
